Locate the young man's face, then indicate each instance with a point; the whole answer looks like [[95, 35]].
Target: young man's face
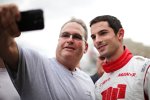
[[71, 44], [104, 39]]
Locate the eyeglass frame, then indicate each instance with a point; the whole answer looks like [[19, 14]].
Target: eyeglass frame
[[74, 36]]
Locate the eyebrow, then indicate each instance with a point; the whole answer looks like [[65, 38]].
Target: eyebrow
[[104, 30], [70, 33]]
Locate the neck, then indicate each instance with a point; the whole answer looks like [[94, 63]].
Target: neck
[[121, 61], [116, 55]]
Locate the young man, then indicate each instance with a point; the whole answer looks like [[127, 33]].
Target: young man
[[100, 70], [7, 90], [126, 77], [40, 78]]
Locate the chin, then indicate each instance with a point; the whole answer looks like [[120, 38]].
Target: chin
[[102, 54], [68, 55]]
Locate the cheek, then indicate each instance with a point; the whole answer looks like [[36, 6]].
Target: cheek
[[95, 44], [109, 39], [61, 42], [60, 45], [110, 36], [81, 46]]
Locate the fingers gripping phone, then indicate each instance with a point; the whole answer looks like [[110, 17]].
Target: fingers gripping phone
[[31, 20]]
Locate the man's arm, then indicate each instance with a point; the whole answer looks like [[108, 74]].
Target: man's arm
[[9, 15]]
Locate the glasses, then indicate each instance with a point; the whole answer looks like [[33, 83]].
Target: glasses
[[75, 36]]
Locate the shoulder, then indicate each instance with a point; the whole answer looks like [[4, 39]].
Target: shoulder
[[140, 60], [141, 63]]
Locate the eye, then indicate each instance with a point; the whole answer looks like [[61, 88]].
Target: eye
[[65, 35], [93, 37], [77, 36], [102, 33]]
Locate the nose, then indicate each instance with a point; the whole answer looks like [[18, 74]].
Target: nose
[[98, 39], [71, 36], [70, 39]]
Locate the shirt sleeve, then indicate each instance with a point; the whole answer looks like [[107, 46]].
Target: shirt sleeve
[[147, 83]]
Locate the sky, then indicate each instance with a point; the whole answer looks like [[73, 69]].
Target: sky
[[133, 15]]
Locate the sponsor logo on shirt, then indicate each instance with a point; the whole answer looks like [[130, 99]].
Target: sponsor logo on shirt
[[127, 74], [114, 93], [105, 81]]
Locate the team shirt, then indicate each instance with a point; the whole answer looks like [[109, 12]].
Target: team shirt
[[127, 78]]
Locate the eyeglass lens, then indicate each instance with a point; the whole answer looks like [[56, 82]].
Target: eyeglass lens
[[73, 36]]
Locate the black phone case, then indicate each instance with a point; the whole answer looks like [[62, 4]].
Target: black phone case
[[31, 20]]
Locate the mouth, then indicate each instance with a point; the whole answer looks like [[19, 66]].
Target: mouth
[[101, 47], [69, 48]]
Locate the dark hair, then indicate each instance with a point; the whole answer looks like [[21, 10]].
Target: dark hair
[[113, 22], [81, 22]]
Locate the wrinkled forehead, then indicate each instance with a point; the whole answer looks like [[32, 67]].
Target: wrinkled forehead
[[73, 27]]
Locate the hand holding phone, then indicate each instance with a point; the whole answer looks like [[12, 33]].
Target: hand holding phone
[[31, 20]]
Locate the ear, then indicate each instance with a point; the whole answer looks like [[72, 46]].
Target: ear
[[86, 47], [120, 34]]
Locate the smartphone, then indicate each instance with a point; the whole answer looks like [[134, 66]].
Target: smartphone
[[31, 20]]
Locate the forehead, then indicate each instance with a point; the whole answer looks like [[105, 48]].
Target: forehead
[[103, 25], [73, 27]]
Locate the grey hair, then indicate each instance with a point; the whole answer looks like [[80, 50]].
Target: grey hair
[[81, 22]]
